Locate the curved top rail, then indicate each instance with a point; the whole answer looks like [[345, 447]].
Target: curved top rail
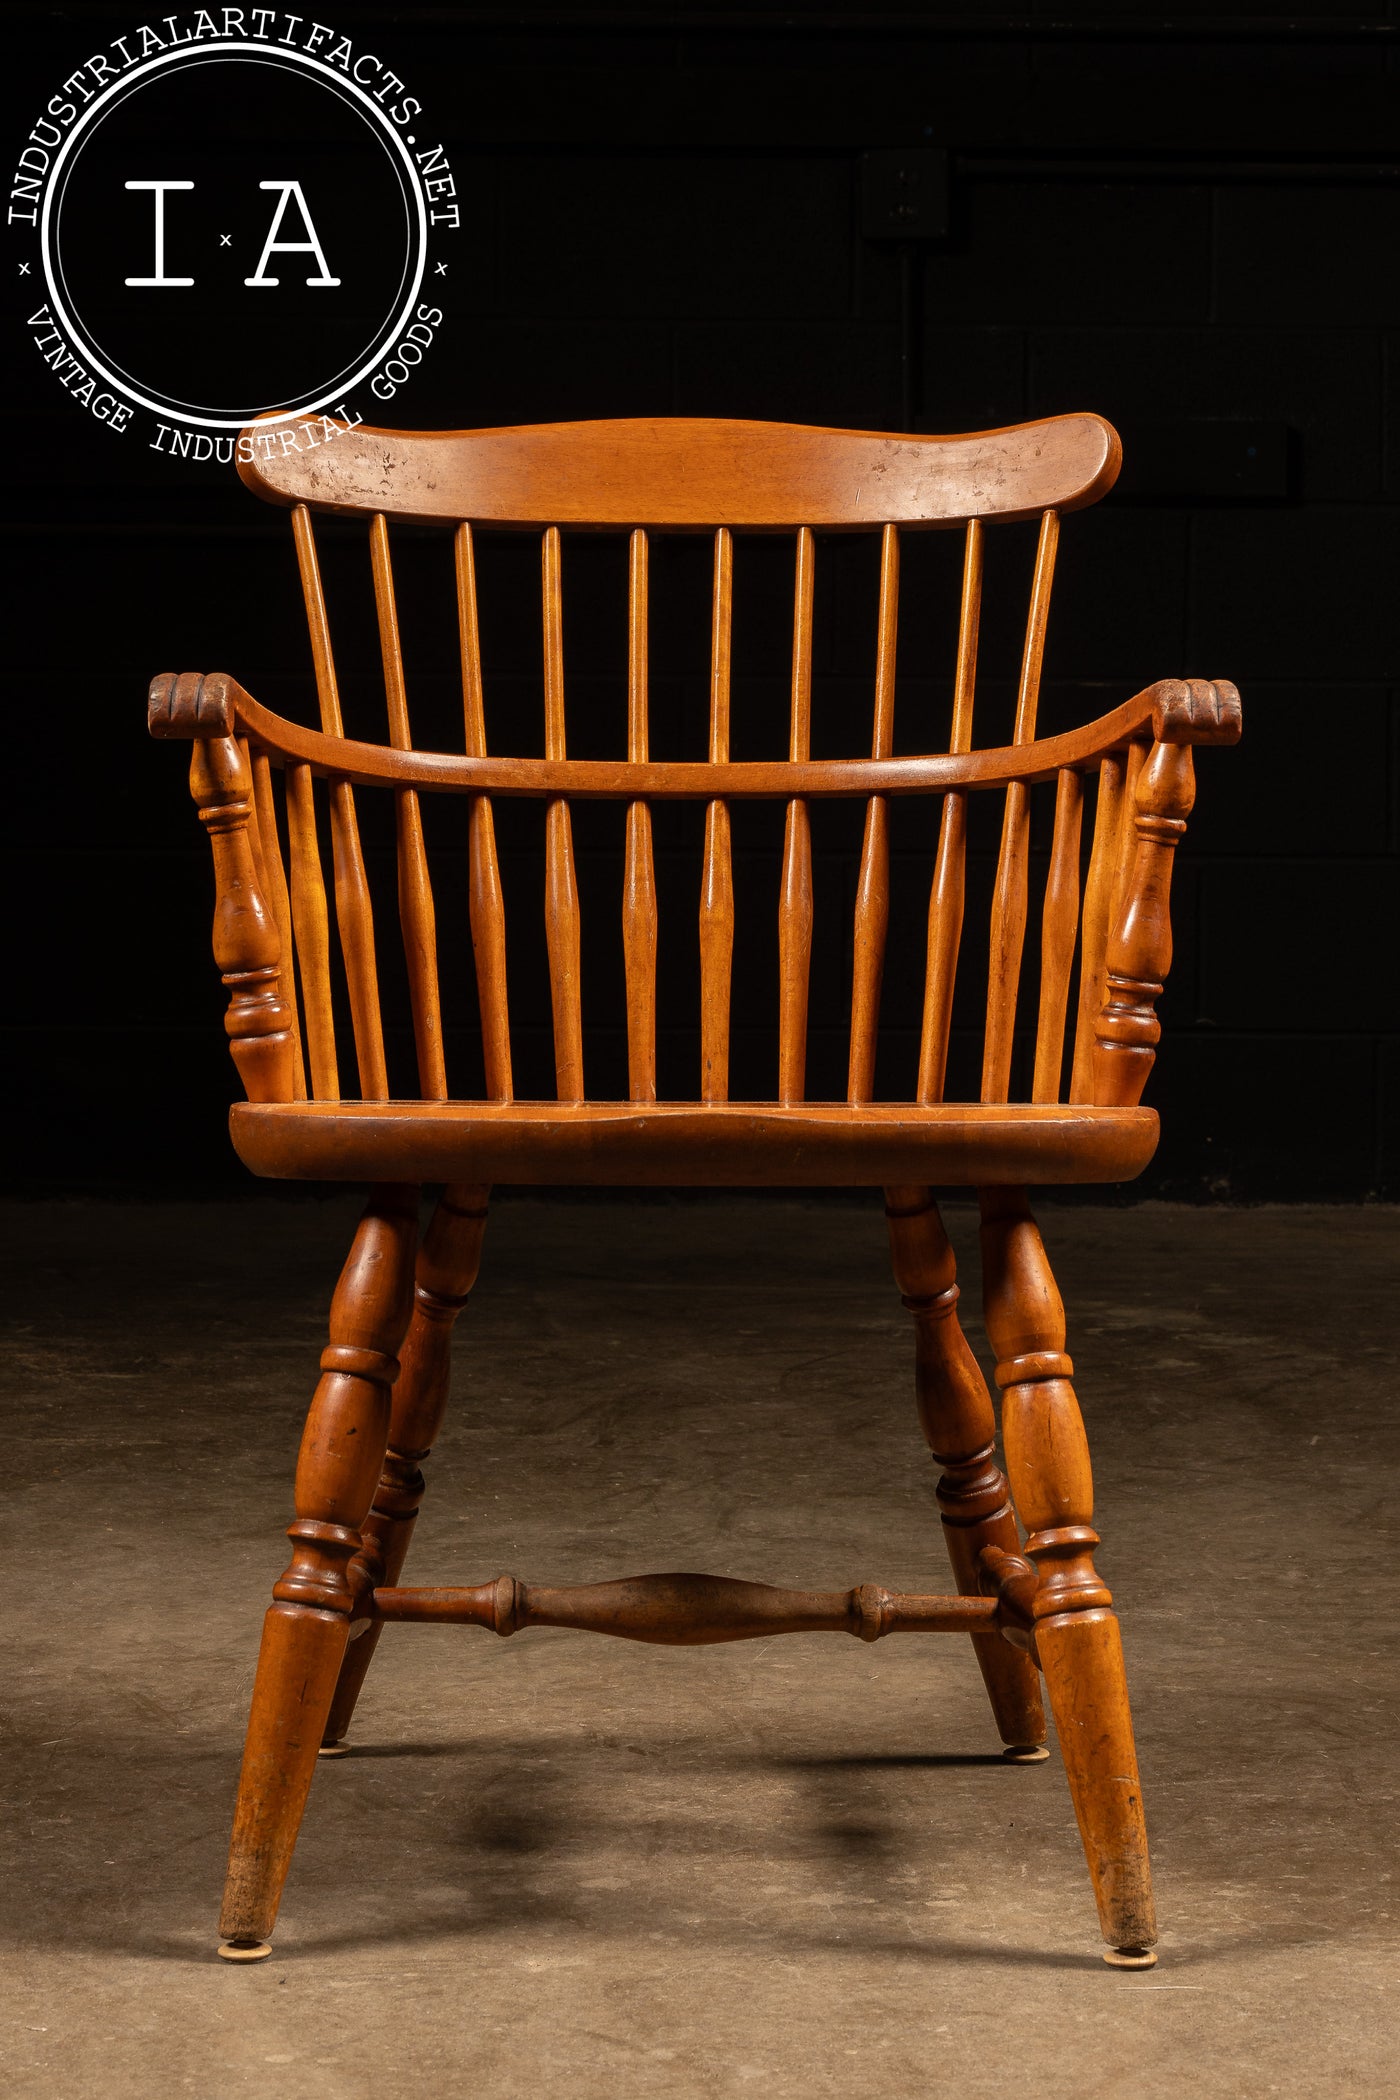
[[1177, 711], [683, 471]]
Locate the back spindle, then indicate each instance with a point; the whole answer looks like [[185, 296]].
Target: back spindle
[[873, 886], [486, 902], [561, 907], [312, 928], [1010, 897], [1093, 939], [416, 914], [795, 906], [267, 856], [717, 879], [1059, 925], [639, 876], [945, 904], [353, 910], [1127, 831]]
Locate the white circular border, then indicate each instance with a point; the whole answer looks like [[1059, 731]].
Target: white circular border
[[183, 411], [341, 386]]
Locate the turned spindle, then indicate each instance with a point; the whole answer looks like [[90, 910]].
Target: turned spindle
[[1188, 711], [247, 949], [445, 1274], [308, 1623]]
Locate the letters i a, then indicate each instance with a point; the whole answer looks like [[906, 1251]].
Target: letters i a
[[271, 246]]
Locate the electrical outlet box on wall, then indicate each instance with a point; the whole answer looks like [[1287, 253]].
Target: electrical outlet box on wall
[[904, 196]]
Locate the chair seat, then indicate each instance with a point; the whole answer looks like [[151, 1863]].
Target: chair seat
[[680, 1144]]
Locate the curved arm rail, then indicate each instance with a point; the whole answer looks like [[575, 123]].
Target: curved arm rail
[[1173, 711]]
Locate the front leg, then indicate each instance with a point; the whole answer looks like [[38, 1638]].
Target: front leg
[[1076, 1631], [308, 1624]]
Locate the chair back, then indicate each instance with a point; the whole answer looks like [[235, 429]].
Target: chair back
[[651, 477]]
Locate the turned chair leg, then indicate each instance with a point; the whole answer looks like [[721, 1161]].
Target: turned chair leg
[[306, 1628], [1076, 1630], [959, 1426], [448, 1261]]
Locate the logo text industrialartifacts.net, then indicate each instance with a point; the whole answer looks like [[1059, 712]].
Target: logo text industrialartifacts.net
[[232, 213]]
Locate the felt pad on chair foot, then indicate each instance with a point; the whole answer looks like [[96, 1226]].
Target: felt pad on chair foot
[[245, 1950], [1130, 1957]]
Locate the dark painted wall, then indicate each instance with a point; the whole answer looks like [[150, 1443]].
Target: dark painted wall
[[1193, 230]]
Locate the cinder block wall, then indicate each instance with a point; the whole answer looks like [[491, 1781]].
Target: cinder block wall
[[1193, 231]]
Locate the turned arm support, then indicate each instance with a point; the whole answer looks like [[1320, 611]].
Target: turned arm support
[[1187, 711], [203, 710]]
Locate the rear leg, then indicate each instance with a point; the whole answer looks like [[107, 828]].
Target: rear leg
[[446, 1272], [959, 1427]]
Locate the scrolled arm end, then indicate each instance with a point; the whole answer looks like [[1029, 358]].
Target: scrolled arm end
[[1196, 711], [192, 705]]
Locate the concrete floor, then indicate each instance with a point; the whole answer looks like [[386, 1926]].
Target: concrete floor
[[561, 1865]]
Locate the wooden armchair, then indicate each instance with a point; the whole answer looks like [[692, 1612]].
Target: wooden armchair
[[1032, 1606]]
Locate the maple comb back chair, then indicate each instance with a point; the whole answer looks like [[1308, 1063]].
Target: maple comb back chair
[[384, 1375]]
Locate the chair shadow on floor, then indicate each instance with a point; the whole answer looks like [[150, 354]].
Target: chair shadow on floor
[[558, 1836]]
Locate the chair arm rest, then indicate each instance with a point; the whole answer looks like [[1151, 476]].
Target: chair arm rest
[[189, 704]]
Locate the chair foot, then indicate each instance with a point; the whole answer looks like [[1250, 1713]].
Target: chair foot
[[244, 1950], [334, 1750], [1130, 1957], [1025, 1753]]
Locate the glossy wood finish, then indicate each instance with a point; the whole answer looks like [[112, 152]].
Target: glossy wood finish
[[1098, 899], [445, 1273], [561, 906], [311, 929], [727, 1145], [717, 879], [417, 918], [307, 1628], [487, 905], [259, 1023], [272, 881], [1009, 901], [955, 1414], [948, 890], [1076, 1634], [615, 780], [353, 907], [1059, 927], [873, 883], [795, 907], [639, 915], [687, 472], [690, 1611], [359, 1481]]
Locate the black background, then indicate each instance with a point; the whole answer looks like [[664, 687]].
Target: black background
[[1189, 224]]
